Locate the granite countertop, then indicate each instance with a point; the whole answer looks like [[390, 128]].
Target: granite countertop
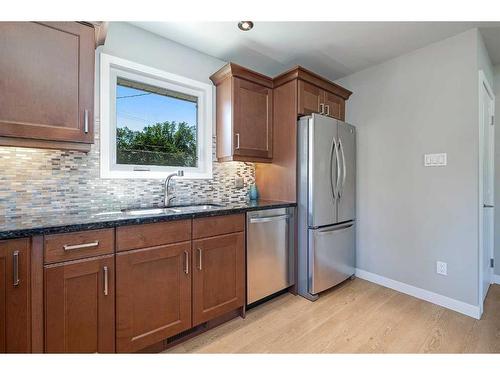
[[63, 222]]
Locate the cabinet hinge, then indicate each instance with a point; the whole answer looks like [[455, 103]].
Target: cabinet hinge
[[492, 263]]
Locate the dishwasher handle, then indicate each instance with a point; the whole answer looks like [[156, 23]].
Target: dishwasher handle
[[267, 219]]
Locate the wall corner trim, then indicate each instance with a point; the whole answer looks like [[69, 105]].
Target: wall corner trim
[[438, 299]]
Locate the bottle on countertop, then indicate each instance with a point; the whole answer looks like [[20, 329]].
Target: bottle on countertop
[[253, 193]]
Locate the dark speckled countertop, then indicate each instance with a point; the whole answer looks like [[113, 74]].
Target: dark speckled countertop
[[63, 222]]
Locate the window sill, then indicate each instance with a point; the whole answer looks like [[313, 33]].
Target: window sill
[[155, 175]]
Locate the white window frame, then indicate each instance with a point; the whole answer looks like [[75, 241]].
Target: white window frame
[[113, 67]]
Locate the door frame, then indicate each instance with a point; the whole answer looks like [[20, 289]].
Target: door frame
[[483, 84]]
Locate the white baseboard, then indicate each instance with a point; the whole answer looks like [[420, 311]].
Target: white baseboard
[[438, 299], [495, 279]]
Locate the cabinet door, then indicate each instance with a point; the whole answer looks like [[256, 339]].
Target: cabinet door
[[218, 276], [80, 306], [334, 105], [14, 296], [309, 98], [46, 90], [153, 295], [253, 119]]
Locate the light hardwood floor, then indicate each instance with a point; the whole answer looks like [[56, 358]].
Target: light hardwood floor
[[356, 317]]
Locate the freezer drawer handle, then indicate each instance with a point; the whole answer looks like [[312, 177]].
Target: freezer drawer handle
[[268, 219], [326, 231]]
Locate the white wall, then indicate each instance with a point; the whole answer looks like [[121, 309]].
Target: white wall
[[132, 43], [410, 216], [496, 83], [483, 59]]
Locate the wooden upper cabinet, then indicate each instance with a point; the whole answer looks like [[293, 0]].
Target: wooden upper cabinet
[[153, 295], [80, 306], [310, 98], [334, 105], [15, 316], [315, 94], [218, 276], [47, 85], [253, 119], [244, 114]]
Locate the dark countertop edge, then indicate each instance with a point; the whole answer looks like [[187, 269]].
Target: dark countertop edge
[[62, 228]]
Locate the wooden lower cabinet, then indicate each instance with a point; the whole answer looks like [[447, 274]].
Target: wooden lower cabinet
[[130, 300], [153, 295], [14, 296], [80, 306], [218, 276]]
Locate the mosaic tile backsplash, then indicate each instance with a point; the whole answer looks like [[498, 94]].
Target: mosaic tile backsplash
[[34, 181]]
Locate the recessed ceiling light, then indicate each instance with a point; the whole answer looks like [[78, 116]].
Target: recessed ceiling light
[[245, 25]]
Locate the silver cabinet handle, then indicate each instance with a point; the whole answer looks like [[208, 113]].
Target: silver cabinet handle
[[237, 141], [86, 121], [80, 246], [200, 256], [105, 272], [321, 108], [344, 172], [268, 219], [186, 259], [327, 107], [15, 266]]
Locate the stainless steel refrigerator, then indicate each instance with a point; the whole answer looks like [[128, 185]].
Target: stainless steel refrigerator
[[326, 203]]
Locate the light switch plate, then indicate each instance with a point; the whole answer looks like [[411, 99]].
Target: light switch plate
[[442, 268], [435, 160]]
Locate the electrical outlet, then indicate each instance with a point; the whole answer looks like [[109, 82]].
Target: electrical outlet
[[239, 182], [442, 268]]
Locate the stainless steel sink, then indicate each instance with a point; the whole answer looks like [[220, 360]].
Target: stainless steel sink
[[171, 210], [151, 211], [196, 207]]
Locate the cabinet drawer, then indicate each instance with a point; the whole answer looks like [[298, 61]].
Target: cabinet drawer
[[148, 235], [78, 245], [215, 226]]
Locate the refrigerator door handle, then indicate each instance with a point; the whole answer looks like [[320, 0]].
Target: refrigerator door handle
[[344, 171], [333, 150], [337, 160]]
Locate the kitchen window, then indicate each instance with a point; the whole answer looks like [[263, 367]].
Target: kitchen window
[[153, 122]]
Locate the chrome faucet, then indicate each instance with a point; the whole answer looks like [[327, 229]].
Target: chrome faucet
[[167, 197]]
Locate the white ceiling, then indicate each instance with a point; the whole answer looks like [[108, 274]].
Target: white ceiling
[[332, 49]]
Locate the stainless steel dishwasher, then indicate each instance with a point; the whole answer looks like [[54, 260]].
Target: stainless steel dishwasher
[[269, 252]]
